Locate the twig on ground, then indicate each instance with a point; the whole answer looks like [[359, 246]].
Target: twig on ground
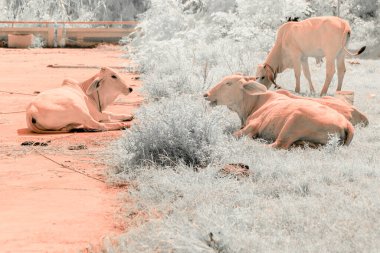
[[68, 167], [18, 93], [81, 66]]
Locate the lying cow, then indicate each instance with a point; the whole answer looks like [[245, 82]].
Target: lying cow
[[344, 108], [314, 37], [347, 110], [274, 116], [79, 105]]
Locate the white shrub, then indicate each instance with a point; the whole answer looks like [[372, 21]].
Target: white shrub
[[289, 203], [70, 10], [171, 131], [301, 200]]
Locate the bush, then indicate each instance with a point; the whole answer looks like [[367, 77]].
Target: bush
[[171, 131]]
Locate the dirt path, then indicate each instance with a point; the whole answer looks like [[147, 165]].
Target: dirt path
[[45, 207]]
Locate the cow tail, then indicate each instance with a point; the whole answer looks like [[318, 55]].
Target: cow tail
[[345, 40], [364, 120], [349, 133]]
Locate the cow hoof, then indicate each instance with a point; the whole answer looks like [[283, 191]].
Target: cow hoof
[[237, 134], [125, 125], [276, 145], [129, 118]]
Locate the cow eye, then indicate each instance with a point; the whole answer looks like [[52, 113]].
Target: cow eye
[[262, 77], [114, 77]]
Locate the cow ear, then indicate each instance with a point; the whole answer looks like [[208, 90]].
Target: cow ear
[[254, 88], [93, 87]]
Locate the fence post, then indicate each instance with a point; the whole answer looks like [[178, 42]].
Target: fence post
[[50, 39], [338, 8], [60, 36]]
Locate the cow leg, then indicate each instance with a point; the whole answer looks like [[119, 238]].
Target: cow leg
[[297, 72], [107, 116], [341, 69], [282, 142], [330, 70], [122, 117], [249, 130], [90, 123], [306, 72], [288, 134]]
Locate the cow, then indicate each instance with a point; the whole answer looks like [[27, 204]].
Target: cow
[[274, 116], [313, 37], [350, 112], [79, 105], [347, 110]]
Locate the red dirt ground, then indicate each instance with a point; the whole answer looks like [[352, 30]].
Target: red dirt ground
[[45, 207]]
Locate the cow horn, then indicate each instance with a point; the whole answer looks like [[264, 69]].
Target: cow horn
[[250, 78]]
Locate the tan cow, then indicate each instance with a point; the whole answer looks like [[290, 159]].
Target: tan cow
[[274, 116], [347, 110], [79, 105], [314, 37]]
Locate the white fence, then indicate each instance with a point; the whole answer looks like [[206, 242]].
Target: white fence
[[61, 34]]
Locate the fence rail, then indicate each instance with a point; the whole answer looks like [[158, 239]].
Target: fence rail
[[66, 33], [130, 22]]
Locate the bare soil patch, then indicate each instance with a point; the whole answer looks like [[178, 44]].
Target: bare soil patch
[[44, 205]]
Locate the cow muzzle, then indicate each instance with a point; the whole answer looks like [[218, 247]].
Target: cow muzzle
[[207, 97]]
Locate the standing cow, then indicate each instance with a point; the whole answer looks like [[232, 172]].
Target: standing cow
[[314, 37]]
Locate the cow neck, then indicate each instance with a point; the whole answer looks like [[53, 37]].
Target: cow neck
[[248, 106], [95, 97], [252, 103]]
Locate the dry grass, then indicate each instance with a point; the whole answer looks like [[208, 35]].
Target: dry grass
[[302, 200]]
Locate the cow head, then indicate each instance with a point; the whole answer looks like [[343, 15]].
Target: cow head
[[265, 75], [109, 81], [231, 90], [108, 85]]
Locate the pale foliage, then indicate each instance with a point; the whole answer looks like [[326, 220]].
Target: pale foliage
[[171, 131], [302, 200], [71, 10]]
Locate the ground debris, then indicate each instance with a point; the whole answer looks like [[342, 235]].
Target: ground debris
[[35, 143], [77, 147], [238, 170]]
